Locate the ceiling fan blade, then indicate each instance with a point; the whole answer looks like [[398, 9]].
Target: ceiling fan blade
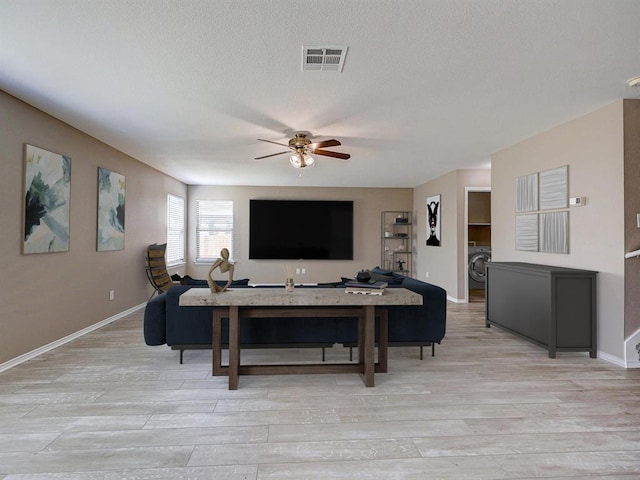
[[275, 143], [272, 155], [326, 143], [327, 153]]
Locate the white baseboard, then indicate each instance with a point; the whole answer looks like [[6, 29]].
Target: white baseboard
[[50, 346], [456, 300], [607, 357]]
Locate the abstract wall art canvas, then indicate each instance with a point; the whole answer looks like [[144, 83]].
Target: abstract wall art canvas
[[541, 230], [527, 232], [434, 214], [554, 232], [111, 203], [554, 188], [47, 188], [527, 193]]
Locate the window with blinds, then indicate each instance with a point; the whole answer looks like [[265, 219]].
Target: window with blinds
[[214, 230], [175, 230]]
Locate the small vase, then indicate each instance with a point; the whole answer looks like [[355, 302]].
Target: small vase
[[288, 286]]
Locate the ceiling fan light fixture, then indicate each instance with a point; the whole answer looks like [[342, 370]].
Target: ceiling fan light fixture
[[301, 160], [301, 150], [295, 161]]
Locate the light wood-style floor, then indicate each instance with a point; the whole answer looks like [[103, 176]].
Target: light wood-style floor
[[488, 406]]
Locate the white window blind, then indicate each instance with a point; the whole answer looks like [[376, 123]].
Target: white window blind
[[214, 230], [175, 230]]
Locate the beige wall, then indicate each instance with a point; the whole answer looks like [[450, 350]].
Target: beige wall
[[592, 146], [446, 265], [46, 297], [368, 205]]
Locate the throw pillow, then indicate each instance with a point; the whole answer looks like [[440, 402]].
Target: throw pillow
[[376, 277], [380, 271]]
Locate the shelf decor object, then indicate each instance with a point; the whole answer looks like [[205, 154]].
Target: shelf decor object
[[396, 242], [47, 187], [111, 198]]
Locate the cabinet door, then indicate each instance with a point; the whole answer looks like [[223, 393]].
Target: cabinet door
[[573, 312], [520, 301]]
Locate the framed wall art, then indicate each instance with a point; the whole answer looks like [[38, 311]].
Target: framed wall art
[[434, 214], [537, 228], [554, 232], [111, 208], [527, 193], [47, 189], [554, 188], [527, 232]]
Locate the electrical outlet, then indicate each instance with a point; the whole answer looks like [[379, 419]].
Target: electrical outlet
[[112, 295], [304, 271], [297, 271], [426, 274]]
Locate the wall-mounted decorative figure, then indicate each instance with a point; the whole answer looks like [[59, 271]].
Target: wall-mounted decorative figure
[[225, 266], [433, 220]]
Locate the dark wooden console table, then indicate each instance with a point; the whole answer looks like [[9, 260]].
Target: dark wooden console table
[[302, 302], [554, 307]]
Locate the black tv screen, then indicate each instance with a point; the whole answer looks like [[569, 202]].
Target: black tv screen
[[300, 230]]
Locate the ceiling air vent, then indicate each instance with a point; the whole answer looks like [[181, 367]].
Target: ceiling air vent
[[323, 58]]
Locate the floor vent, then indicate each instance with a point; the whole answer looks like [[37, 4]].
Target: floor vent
[[323, 58]]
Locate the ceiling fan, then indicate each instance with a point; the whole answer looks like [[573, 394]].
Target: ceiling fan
[[303, 148]]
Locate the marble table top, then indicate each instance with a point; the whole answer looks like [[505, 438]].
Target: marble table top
[[275, 297]]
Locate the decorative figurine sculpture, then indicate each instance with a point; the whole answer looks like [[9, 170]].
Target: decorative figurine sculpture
[[225, 266], [363, 276]]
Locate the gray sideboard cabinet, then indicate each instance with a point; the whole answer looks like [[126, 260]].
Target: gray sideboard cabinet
[[554, 307]]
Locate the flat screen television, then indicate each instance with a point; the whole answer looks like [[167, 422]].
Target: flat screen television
[[300, 230]]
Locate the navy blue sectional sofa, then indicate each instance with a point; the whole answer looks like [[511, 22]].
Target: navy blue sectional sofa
[[184, 328]]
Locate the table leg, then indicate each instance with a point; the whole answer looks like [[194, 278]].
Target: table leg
[[217, 342], [369, 346], [234, 347], [383, 340], [361, 322]]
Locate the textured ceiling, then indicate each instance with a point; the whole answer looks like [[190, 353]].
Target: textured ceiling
[[428, 86]]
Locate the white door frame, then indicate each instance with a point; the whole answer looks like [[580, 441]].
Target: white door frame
[[466, 236]]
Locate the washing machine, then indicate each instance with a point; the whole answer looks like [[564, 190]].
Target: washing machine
[[478, 257]]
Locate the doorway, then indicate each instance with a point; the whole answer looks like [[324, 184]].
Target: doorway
[[477, 245]]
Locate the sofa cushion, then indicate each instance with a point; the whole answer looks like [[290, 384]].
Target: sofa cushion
[[376, 277], [380, 271], [187, 280]]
